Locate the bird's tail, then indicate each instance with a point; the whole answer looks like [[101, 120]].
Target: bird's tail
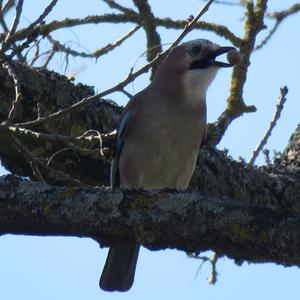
[[119, 269]]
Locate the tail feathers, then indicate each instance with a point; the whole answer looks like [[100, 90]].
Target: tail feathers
[[119, 269]]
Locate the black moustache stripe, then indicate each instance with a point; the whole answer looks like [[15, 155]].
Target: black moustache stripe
[[201, 64]]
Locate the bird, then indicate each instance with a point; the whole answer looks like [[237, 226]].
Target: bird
[[159, 137]]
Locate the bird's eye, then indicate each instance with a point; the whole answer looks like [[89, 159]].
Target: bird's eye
[[196, 50]]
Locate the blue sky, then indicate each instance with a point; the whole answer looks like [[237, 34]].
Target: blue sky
[[69, 268]]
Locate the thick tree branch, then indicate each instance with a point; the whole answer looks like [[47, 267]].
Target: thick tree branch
[[149, 25], [185, 221]]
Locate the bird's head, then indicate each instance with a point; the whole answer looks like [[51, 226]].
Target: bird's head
[[195, 64]]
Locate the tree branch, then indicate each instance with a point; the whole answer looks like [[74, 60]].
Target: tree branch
[[98, 52], [279, 108], [185, 221], [235, 103], [45, 29]]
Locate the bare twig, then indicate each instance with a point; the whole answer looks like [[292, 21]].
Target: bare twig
[[46, 12], [279, 17], [6, 30], [49, 57], [85, 101], [212, 279], [86, 138], [32, 31], [269, 35], [280, 104], [14, 26], [114, 4], [266, 153], [126, 93], [36, 172], [284, 13], [96, 54], [55, 154], [92, 133], [231, 3], [218, 29], [39, 162], [8, 6], [18, 96], [31, 159], [192, 23]]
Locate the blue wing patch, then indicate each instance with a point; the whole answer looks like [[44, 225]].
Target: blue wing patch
[[119, 141]]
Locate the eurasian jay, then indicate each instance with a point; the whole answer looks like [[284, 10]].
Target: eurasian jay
[[159, 136]]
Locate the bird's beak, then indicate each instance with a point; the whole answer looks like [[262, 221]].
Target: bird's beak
[[220, 51], [210, 59]]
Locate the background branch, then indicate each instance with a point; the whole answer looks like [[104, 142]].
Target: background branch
[[279, 108]]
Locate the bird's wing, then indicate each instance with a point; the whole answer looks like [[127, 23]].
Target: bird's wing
[[119, 141]]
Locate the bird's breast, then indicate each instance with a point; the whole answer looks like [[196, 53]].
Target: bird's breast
[[165, 154]]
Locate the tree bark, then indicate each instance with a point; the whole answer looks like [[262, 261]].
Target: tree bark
[[185, 221], [45, 92]]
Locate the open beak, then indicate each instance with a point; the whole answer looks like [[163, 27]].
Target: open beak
[[210, 59], [220, 51]]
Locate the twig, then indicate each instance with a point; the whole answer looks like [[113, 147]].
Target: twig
[[269, 35], [32, 31], [279, 17], [114, 4], [126, 93], [6, 30], [18, 96], [231, 3], [280, 105], [14, 26], [130, 77], [36, 54], [49, 57], [192, 23], [66, 139], [96, 54], [8, 6], [212, 279], [266, 153], [55, 154], [284, 13], [218, 29], [36, 172], [33, 160], [91, 134], [46, 12]]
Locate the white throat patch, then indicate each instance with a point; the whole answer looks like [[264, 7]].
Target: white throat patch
[[196, 83]]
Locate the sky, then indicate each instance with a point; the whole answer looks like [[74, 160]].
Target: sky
[[69, 268]]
